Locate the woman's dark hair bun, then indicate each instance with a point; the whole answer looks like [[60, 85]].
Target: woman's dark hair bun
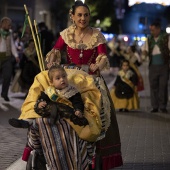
[[77, 4]]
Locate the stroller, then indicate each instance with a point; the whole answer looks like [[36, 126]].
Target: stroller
[[36, 160]]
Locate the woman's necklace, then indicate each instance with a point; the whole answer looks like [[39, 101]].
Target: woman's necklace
[[81, 45]]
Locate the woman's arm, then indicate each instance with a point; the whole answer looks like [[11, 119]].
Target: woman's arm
[[102, 61], [55, 54]]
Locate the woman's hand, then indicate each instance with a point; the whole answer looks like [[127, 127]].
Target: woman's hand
[[94, 67]]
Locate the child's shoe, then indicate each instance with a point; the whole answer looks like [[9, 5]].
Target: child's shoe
[[17, 123]]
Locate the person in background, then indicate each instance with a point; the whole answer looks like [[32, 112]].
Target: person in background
[[29, 66], [46, 38], [124, 93], [157, 47], [132, 55], [8, 52]]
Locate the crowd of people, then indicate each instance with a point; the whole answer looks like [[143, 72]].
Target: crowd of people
[[93, 133], [156, 49], [125, 61], [19, 61]]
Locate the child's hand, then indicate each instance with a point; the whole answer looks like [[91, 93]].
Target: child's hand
[[42, 104], [78, 114]]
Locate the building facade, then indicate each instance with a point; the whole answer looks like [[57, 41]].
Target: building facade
[[38, 10]]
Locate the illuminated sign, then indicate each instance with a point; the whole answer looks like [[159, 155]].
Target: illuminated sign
[[162, 2]]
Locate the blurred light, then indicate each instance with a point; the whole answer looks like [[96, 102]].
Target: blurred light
[[168, 30], [125, 38], [143, 38], [162, 2], [43, 12], [140, 26], [98, 21], [111, 36], [108, 36], [140, 43]]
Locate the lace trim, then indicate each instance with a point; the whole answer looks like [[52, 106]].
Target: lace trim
[[106, 102], [54, 55], [105, 113], [67, 92], [107, 65], [96, 39], [127, 75]]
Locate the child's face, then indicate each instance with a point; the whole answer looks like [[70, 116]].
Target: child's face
[[125, 66], [60, 80]]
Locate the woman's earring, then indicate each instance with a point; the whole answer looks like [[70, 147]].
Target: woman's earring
[[74, 25]]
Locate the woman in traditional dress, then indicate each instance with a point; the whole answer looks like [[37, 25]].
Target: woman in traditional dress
[[124, 93], [135, 61], [86, 46]]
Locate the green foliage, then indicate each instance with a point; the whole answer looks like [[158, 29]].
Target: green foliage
[[104, 11], [106, 22]]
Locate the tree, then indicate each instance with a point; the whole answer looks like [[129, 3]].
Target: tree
[[104, 12]]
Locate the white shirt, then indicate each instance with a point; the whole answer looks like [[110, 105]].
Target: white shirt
[[13, 47], [156, 49]]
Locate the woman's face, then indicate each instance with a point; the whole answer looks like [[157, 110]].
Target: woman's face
[[81, 17]]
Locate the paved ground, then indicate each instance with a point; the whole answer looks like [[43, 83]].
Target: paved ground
[[145, 136], [12, 140]]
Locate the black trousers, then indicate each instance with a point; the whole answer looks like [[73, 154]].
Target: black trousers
[[6, 67], [158, 78]]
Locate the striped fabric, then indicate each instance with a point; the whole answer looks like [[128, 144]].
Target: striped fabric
[[102, 113], [62, 148]]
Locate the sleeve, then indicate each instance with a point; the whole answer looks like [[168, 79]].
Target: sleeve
[[77, 102], [44, 112], [101, 49], [60, 44], [102, 54], [13, 48]]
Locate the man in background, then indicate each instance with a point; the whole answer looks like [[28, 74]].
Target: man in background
[[157, 47], [8, 52]]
